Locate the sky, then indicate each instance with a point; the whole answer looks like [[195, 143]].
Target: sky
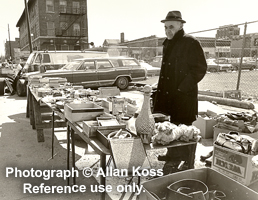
[[107, 19]]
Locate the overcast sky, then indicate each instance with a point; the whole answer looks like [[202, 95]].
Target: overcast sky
[[141, 18]]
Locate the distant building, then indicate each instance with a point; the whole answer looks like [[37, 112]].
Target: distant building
[[55, 25], [227, 31], [111, 42], [10, 49], [250, 48]]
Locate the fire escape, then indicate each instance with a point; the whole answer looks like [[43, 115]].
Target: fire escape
[[72, 23]]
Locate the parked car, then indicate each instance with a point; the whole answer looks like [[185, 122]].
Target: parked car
[[96, 72], [246, 64], [156, 61], [52, 60], [151, 71], [214, 65]]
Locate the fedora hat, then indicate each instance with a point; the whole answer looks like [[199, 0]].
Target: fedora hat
[[173, 16]]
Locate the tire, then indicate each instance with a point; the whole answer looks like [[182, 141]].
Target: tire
[[21, 88], [252, 68], [2, 85], [122, 83]]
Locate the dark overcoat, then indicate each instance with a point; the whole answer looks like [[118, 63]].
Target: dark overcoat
[[183, 66]]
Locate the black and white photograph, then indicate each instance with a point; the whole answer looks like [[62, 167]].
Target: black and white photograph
[[129, 100]]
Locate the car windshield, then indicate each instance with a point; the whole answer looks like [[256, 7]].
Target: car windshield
[[71, 65]]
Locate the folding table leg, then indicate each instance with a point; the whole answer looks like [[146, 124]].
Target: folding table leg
[[68, 151], [102, 178], [73, 154], [53, 132]]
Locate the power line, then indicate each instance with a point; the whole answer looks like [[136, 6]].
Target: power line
[[213, 29]]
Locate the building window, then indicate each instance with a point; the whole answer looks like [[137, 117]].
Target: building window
[[63, 25], [50, 28], [64, 47], [76, 29], [256, 42], [76, 7], [50, 6], [63, 6]]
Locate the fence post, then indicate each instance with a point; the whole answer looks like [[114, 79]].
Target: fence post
[[241, 58]]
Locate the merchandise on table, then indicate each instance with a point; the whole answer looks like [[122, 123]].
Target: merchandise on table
[[166, 132]]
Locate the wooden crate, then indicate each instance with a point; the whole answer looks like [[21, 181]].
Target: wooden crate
[[82, 112]]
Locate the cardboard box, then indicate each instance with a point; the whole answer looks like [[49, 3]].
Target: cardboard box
[[217, 129], [235, 165], [82, 111], [91, 127], [108, 91], [205, 123], [107, 105], [212, 178], [41, 92]]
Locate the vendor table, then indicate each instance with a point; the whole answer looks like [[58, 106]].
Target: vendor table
[[100, 149], [42, 115], [38, 110]]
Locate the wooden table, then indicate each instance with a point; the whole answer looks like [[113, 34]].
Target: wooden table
[[41, 115], [37, 108], [97, 146], [101, 150]]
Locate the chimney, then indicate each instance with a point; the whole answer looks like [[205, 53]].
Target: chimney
[[122, 38]]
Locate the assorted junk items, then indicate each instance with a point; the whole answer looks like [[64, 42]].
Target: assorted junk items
[[188, 187], [240, 143], [166, 132], [241, 122]]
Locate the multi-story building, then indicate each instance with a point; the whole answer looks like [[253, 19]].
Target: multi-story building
[[54, 25]]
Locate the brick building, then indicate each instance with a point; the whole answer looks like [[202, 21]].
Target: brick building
[[55, 25], [10, 48]]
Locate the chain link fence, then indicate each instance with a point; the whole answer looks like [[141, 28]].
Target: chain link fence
[[232, 59], [231, 52]]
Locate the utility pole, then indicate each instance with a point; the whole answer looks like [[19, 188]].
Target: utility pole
[[241, 59], [28, 24], [10, 44], [86, 21]]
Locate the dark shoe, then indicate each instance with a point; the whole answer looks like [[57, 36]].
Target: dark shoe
[[208, 161], [163, 158], [203, 158]]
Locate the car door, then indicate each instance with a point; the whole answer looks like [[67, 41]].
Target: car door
[[86, 74], [134, 68], [107, 73]]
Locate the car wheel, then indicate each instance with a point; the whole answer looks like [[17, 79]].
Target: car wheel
[[252, 68], [2, 85], [20, 88], [122, 83]]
